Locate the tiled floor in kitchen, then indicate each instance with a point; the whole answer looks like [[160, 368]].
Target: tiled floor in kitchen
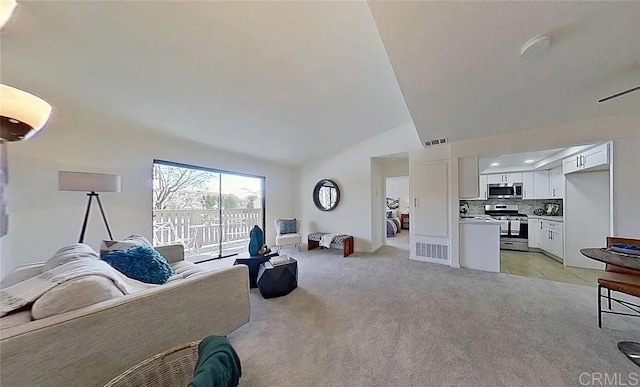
[[538, 265]]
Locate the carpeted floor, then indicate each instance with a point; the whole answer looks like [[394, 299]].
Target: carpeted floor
[[384, 320]]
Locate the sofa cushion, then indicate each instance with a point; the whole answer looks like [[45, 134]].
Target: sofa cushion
[[15, 319], [185, 269], [74, 294], [142, 263], [286, 226]]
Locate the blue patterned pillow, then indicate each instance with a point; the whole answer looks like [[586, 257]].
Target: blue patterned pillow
[[286, 226], [142, 263]]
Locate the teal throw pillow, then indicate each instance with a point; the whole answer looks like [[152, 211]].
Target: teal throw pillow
[[142, 263]]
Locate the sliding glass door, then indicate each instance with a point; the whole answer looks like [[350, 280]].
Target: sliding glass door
[[209, 211]]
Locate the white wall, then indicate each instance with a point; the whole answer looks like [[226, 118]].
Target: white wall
[[626, 189], [586, 216], [398, 187], [395, 167], [42, 219], [352, 169], [624, 129]]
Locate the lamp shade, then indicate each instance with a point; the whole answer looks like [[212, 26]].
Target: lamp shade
[[22, 114], [6, 9], [88, 182]]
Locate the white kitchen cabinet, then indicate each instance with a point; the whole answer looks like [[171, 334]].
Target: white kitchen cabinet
[[556, 183], [514, 177], [541, 184], [571, 164], [468, 181], [551, 238], [557, 243], [495, 178], [430, 215], [528, 185], [483, 187], [534, 233], [596, 157]]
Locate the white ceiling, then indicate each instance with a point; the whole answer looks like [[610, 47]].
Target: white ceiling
[[292, 81], [514, 161], [460, 70], [287, 81]]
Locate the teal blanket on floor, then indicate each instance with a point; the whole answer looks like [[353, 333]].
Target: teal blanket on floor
[[218, 364]]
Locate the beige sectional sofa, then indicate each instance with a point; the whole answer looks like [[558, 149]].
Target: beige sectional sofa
[[91, 345]]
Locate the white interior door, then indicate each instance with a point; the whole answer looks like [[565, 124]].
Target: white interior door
[[430, 183]]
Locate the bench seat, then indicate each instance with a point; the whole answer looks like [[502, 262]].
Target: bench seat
[[346, 241]]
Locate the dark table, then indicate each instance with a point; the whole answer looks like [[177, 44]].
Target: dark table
[[253, 262], [279, 280], [630, 349]]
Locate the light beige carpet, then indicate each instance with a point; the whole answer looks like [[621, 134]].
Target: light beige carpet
[[383, 320]]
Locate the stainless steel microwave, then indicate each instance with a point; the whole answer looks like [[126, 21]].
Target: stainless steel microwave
[[504, 191]]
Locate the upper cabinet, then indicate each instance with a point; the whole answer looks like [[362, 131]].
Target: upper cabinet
[[504, 178], [590, 159], [541, 184], [535, 185], [468, 182], [483, 187], [556, 183], [528, 185]]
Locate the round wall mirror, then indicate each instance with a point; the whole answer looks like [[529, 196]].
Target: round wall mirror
[[326, 195]]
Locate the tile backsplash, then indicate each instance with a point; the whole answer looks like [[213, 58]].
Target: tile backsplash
[[476, 207]]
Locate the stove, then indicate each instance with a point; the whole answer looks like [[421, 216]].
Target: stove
[[514, 227]]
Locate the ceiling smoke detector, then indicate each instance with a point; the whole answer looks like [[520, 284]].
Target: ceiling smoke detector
[[535, 46]]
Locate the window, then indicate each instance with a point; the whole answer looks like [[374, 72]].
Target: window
[[209, 211]]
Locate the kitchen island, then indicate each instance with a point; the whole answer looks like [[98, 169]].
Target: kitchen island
[[480, 244]]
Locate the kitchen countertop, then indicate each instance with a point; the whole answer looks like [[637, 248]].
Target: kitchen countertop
[[470, 220], [551, 218]]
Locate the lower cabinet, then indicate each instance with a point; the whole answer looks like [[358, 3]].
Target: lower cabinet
[[551, 238], [534, 233]]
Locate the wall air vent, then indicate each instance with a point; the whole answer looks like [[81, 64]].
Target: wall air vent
[[435, 142], [430, 250]]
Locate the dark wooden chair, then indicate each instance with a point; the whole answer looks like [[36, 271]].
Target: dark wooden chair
[[619, 279]]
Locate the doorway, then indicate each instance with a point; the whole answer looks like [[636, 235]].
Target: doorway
[[397, 212], [209, 211]]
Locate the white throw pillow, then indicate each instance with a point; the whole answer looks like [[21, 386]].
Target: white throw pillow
[[75, 294]]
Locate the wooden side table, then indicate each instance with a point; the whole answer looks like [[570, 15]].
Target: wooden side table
[[404, 221]]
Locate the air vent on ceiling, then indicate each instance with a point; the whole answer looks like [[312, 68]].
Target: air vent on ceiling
[[435, 142], [430, 250]]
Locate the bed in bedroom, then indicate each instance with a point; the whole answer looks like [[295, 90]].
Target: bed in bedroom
[[393, 223]]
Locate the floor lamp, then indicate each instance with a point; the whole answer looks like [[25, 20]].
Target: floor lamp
[[92, 183]]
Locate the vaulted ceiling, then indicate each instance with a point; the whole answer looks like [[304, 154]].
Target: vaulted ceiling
[[303, 79], [462, 76], [287, 81]]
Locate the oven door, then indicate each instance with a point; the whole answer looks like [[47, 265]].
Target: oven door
[[504, 191]]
